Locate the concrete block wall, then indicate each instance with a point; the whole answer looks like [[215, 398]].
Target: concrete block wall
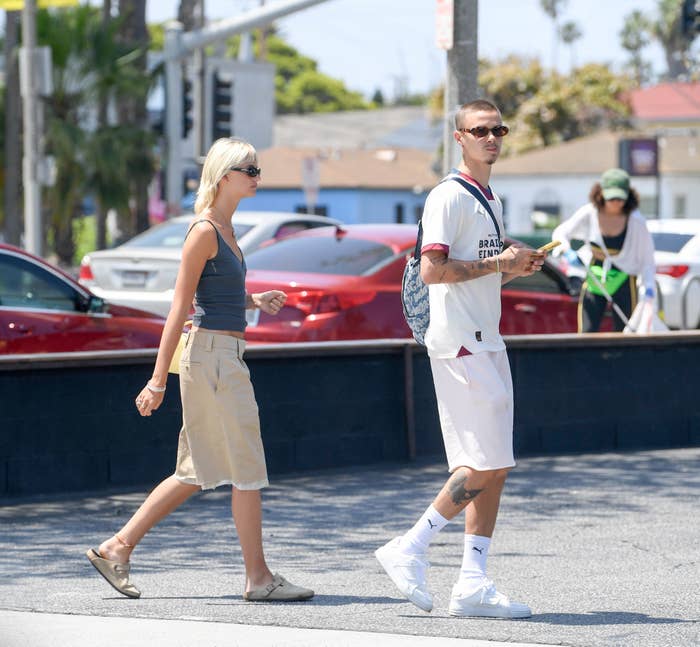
[[69, 424]]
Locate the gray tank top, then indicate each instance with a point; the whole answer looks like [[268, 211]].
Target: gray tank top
[[219, 301]]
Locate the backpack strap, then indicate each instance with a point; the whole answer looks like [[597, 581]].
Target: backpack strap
[[419, 241], [480, 197], [477, 194]]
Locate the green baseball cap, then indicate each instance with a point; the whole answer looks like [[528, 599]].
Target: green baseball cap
[[615, 183]]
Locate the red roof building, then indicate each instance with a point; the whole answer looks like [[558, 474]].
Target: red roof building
[[672, 104]]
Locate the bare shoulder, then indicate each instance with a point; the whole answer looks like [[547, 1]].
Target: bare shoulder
[[201, 238]]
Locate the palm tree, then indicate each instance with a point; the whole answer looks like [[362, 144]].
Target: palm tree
[[634, 37], [569, 33], [92, 66], [667, 30], [131, 98], [553, 9]]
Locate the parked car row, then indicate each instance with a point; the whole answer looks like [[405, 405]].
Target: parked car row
[[342, 281], [141, 272], [44, 310], [677, 257], [345, 283]]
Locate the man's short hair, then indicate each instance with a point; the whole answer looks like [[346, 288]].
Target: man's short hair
[[478, 105]]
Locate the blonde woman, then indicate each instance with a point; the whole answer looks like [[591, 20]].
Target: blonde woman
[[220, 441]]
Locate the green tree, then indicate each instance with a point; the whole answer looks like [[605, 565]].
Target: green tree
[[666, 29], [545, 108], [312, 91], [580, 104], [293, 71], [511, 81], [131, 94], [378, 98], [89, 64], [634, 38]]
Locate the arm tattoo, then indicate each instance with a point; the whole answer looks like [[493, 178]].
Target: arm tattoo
[[459, 493]]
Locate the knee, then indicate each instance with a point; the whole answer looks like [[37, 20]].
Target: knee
[[484, 478]]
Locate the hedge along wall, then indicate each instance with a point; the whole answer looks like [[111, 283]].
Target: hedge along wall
[[69, 422]]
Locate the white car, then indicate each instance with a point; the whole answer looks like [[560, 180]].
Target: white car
[[141, 273], [677, 256]]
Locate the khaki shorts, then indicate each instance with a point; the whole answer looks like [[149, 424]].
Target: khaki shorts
[[220, 439], [475, 402]]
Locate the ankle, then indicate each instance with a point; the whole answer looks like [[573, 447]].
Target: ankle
[[116, 549], [258, 579]]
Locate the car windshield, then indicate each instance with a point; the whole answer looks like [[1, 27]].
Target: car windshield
[[321, 255], [670, 242], [172, 235]]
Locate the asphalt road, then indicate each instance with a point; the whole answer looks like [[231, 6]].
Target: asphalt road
[[604, 548]]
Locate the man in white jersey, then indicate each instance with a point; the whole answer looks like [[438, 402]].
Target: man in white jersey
[[464, 264]]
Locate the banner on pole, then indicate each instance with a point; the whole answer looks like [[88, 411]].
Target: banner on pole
[[18, 5], [444, 24]]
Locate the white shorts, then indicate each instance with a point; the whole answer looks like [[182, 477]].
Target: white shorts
[[475, 404]]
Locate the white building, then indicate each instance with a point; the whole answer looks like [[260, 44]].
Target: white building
[[557, 180]]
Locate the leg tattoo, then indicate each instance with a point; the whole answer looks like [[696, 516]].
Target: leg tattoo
[[458, 491]]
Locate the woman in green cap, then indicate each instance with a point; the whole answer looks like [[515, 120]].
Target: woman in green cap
[[617, 249]]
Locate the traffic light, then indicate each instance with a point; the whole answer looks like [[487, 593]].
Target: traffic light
[[222, 110], [187, 105], [690, 18]]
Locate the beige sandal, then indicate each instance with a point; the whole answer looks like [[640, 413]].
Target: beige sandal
[[279, 590], [116, 573]]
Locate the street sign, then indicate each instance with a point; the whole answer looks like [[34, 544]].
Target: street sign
[[18, 5], [639, 156], [444, 24], [310, 180]]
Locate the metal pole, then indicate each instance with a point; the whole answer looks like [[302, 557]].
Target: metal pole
[[462, 69], [198, 90], [173, 115], [13, 145], [33, 231]]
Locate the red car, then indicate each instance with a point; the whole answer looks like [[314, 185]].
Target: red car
[[43, 310], [345, 283]]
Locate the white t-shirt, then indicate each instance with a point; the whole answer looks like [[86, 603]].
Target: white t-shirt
[[467, 314]]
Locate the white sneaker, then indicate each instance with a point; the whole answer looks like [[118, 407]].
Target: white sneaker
[[407, 572], [485, 602]]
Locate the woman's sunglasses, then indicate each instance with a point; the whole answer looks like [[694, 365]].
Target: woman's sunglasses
[[250, 171], [483, 131]]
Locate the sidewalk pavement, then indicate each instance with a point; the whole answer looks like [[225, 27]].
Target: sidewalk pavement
[[604, 548]]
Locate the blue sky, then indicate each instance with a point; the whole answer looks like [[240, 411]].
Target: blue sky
[[373, 44]]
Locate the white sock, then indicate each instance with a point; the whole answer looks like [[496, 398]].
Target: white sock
[[416, 540], [473, 572]]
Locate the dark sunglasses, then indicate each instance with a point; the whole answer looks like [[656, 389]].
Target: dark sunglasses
[[250, 171], [483, 131]]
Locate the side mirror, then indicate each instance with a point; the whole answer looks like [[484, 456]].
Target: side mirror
[[96, 305]]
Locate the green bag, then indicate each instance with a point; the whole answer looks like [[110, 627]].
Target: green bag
[[614, 280]]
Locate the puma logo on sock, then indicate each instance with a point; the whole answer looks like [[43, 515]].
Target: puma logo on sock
[[478, 550], [432, 525]]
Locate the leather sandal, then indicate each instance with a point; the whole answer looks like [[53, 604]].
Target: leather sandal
[[279, 590], [116, 573]]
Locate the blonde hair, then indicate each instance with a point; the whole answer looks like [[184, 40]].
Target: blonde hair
[[223, 154]]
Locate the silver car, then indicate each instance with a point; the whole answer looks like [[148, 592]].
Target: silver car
[[141, 273], [677, 256]]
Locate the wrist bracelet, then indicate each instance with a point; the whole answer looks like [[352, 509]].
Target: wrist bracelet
[[498, 266], [155, 389]]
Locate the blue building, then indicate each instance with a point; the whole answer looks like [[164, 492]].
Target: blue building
[[354, 186]]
